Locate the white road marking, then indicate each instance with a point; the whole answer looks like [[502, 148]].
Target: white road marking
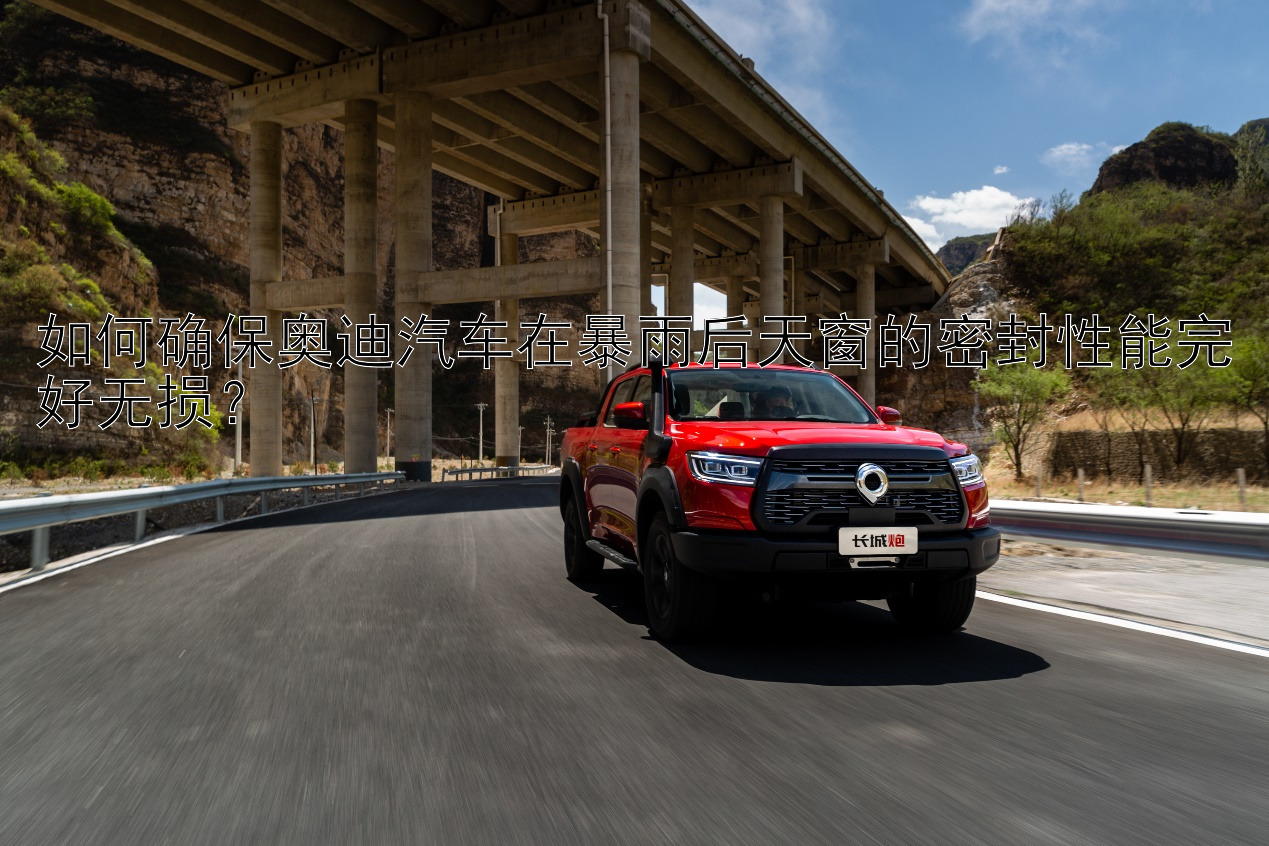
[[1231, 645], [74, 562], [49, 572]]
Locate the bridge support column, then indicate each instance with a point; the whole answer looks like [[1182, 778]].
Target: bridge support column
[[771, 265], [622, 185], [507, 371], [266, 266], [866, 308], [645, 253], [797, 293], [679, 296], [735, 295], [413, 217], [361, 169]]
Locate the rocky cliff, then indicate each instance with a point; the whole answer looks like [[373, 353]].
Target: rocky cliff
[[959, 253], [940, 397], [1176, 154]]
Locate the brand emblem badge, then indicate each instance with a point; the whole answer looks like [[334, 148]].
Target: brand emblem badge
[[871, 482]]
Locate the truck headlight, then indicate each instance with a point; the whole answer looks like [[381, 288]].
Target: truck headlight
[[730, 469], [968, 470]]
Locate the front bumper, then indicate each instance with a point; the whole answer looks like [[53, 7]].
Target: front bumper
[[967, 552]]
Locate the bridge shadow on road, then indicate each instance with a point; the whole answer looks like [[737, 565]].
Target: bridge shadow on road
[[841, 644], [446, 498]]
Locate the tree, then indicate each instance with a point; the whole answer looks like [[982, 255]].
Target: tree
[[1022, 394], [1123, 393], [1249, 373], [1186, 398]]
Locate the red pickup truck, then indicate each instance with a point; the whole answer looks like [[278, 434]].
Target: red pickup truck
[[777, 478]]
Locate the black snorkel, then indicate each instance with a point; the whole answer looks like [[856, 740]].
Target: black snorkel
[[657, 445]]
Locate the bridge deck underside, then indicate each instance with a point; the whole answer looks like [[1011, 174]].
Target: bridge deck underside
[[518, 108]]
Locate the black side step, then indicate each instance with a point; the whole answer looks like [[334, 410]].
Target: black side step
[[611, 554]]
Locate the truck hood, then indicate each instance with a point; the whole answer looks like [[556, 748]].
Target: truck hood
[[757, 439]]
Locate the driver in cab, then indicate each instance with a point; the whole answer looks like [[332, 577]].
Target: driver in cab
[[774, 403]]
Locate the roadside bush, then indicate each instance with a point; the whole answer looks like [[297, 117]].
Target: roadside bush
[[192, 463], [83, 467]]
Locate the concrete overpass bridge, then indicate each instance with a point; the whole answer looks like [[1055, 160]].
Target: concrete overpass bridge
[[630, 120]]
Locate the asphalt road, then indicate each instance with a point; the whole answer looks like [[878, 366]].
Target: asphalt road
[[414, 668]]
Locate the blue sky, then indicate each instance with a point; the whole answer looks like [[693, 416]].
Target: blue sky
[[960, 109]]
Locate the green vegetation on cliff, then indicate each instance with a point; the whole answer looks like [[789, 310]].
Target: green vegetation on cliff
[[55, 237], [49, 230], [1150, 246]]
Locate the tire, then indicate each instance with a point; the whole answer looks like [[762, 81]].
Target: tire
[[682, 603], [934, 609], [580, 561]]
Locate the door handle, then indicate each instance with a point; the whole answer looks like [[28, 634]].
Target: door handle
[[614, 449]]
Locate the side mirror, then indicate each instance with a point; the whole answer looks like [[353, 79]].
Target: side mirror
[[890, 416], [630, 415]]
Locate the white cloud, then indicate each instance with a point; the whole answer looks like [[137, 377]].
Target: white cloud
[[774, 33], [968, 212], [927, 231], [995, 19], [1000, 169], [1075, 158], [1039, 35], [794, 44]]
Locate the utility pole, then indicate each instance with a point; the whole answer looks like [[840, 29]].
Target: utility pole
[[388, 451], [480, 440], [312, 432], [549, 432], [238, 428], [241, 416], [519, 442]]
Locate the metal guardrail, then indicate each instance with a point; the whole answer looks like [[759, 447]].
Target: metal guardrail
[[1231, 535], [495, 472], [38, 514]]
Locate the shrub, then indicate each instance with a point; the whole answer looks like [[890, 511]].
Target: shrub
[[192, 463], [30, 295], [20, 256], [86, 207]]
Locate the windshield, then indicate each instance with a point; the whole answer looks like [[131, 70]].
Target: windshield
[[755, 394]]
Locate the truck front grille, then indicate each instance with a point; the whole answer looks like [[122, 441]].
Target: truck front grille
[[812, 493], [791, 506]]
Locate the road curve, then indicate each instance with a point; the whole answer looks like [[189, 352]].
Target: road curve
[[414, 668]]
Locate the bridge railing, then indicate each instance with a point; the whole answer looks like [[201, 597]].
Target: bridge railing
[[1229, 535], [41, 513], [495, 472]]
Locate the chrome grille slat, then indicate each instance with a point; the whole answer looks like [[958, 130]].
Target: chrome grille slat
[[849, 466]]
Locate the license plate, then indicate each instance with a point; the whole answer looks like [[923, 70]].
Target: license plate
[[876, 540]]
